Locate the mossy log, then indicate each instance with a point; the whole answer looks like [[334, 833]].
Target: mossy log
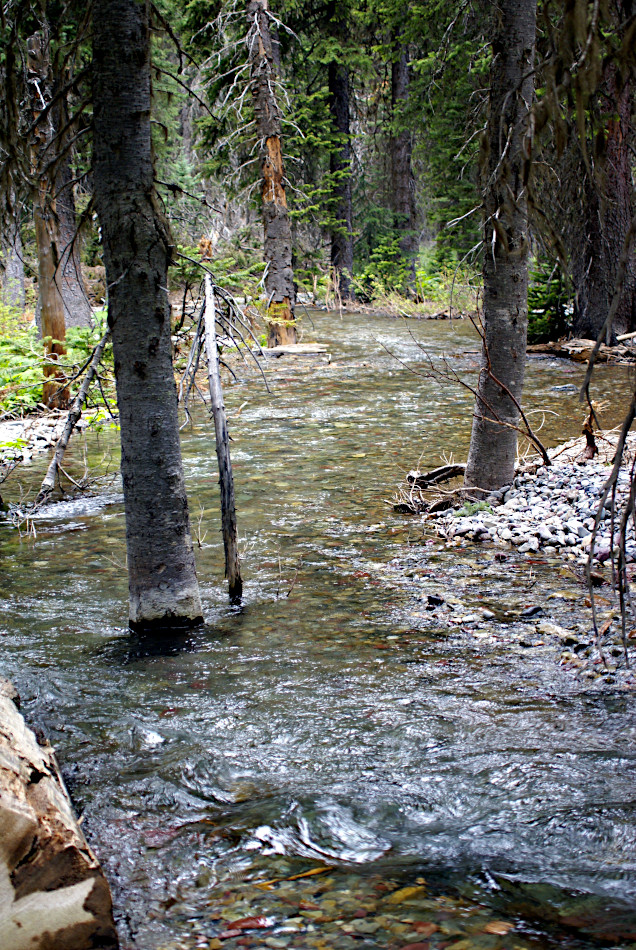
[[53, 893]]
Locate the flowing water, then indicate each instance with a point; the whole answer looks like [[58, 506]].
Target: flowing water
[[332, 725]]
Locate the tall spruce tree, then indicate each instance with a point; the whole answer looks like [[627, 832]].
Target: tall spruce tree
[[506, 156], [277, 238], [137, 247]]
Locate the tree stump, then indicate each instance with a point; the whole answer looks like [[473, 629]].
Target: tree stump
[[53, 893]]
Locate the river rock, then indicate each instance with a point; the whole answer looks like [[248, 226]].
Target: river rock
[[552, 510]]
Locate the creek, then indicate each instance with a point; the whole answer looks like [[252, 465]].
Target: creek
[[331, 725]]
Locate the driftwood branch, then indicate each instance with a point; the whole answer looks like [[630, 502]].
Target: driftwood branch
[[435, 477], [448, 374], [226, 480]]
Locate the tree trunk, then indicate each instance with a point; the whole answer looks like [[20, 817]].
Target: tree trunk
[[340, 168], [12, 267], [400, 148], [161, 572], [77, 308], [47, 233], [493, 443], [56, 168], [279, 279], [608, 207], [53, 893]]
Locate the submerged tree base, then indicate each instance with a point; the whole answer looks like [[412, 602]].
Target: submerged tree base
[[166, 625]]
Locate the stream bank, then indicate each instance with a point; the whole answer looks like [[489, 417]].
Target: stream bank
[[548, 514]]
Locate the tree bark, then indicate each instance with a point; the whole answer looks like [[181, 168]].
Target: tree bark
[[340, 167], [53, 893], [162, 579], [56, 167], [493, 443], [279, 278], [77, 308], [47, 233], [226, 479], [401, 148], [608, 208]]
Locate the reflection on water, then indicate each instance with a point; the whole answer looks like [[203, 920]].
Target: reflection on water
[[330, 720]]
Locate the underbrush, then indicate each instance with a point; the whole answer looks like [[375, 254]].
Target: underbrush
[[446, 289], [22, 359]]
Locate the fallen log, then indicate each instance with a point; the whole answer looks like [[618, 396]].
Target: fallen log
[[297, 349], [53, 893], [581, 350]]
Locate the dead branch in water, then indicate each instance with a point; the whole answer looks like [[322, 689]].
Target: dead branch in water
[[226, 479], [48, 483]]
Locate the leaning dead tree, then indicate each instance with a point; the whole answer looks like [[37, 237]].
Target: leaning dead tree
[[226, 478], [75, 411], [218, 322]]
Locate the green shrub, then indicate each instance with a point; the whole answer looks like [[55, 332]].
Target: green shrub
[[22, 358]]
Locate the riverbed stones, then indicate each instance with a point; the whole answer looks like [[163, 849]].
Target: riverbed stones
[[353, 912], [550, 510]]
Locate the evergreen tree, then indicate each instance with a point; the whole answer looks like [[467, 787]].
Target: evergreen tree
[[137, 248], [507, 148]]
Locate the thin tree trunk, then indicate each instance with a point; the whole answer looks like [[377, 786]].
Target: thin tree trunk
[[608, 204], [12, 267], [56, 170], [77, 308], [493, 443], [162, 580], [47, 234], [226, 479], [279, 279], [340, 168], [401, 148]]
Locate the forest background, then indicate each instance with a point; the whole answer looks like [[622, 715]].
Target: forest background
[[382, 114]]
